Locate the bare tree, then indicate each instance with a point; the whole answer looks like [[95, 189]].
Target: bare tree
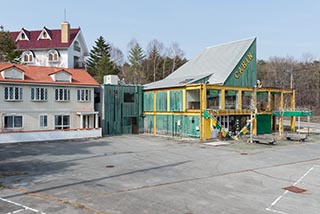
[[155, 50], [305, 75], [116, 55], [176, 54]]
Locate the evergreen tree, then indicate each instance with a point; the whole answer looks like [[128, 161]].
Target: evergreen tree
[[8, 52], [99, 63]]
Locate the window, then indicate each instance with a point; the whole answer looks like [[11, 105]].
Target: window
[[62, 121], [129, 97], [28, 57], [193, 99], [246, 100], [12, 122], [84, 95], [76, 46], [43, 121], [53, 56], [230, 99], [62, 94], [213, 99], [39, 94], [13, 93], [23, 36]]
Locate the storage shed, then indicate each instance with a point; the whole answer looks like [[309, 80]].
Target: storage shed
[[123, 109]]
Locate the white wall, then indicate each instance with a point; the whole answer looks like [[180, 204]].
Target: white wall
[[19, 137], [31, 110], [42, 58]]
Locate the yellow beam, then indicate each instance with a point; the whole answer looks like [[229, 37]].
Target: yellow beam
[[281, 125], [168, 100], [155, 113], [269, 101], [222, 99], [281, 100], [184, 100], [293, 106], [174, 113], [203, 106], [239, 99]]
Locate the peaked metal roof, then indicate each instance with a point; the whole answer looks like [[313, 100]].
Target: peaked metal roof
[[216, 63]]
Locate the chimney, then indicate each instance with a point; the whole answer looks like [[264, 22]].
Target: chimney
[[65, 32]]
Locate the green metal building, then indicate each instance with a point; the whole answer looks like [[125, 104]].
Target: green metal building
[[214, 93], [123, 109]]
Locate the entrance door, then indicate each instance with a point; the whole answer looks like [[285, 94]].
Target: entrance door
[[134, 125], [86, 123]]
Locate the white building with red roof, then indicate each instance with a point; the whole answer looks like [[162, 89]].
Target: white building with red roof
[[46, 103], [65, 47]]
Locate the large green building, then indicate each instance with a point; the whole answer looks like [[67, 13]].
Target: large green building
[[213, 93]]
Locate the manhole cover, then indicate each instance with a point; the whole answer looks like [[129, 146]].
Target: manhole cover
[[109, 166], [295, 189]]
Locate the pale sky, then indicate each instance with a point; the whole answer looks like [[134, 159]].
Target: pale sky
[[282, 27]]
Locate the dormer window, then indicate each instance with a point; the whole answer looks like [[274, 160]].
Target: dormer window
[[61, 76], [53, 56], [28, 57], [23, 35], [45, 34], [12, 73]]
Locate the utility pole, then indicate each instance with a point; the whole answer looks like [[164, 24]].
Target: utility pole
[[291, 78]]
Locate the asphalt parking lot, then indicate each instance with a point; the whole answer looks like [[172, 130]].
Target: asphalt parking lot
[[145, 174]]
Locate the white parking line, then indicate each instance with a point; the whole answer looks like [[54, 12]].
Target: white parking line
[[20, 205], [285, 192]]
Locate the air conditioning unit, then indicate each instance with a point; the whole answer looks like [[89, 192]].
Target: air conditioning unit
[[111, 79]]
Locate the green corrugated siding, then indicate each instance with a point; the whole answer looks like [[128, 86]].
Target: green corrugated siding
[[161, 101], [176, 99], [245, 72], [122, 116], [264, 123], [169, 125], [148, 101], [148, 124]]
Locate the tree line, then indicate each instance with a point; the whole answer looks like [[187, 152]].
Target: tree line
[[140, 67], [287, 72], [157, 61]]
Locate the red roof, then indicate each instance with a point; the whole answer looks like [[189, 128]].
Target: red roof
[[41, 74], [34, 43]]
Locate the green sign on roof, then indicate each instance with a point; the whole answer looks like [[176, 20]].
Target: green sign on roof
[[245, 72]]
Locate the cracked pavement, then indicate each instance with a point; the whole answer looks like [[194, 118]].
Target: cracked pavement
[[145, 174]]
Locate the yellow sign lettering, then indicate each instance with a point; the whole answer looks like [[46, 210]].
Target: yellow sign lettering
[[244, 65], [240, 70]]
